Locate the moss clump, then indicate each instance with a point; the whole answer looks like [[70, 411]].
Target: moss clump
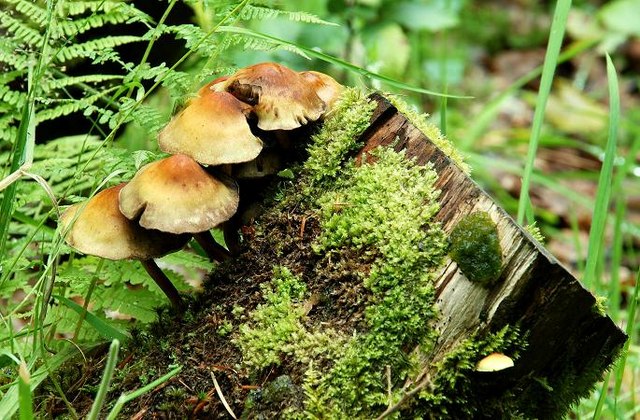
[[430, 130], [458, 391], [339, 136], [276, 328], [475, 247], [384, 212]]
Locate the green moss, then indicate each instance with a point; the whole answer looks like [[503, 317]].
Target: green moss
[[534, 231], [600, 305], [338, 137], [475, 247], [384, 212], [457, 391], [275, 329], [430, 130]]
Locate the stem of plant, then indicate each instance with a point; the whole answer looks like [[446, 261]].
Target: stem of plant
[[214, 250], [163, 282]]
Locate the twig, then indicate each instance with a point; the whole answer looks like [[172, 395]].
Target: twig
[[388, 371], [221, 395], [395, 407]]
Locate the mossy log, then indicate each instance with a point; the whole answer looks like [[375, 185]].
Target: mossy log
[[328, 310], [570, 342]]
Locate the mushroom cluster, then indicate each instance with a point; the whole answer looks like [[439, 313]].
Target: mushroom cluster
[[237, 129]]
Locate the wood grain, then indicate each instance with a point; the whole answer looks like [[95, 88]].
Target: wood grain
[[567, 337]]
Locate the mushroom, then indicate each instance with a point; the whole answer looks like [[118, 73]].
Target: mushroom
[[267, 163], [212, 129], [97, 227], [494, 362], [177, 195], [325, 86], [281, 98]]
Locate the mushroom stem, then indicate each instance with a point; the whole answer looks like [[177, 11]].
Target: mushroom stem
[[163, 282], [231, 237], [214, 250]]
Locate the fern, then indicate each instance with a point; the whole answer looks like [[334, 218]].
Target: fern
[[46, 41], [251, 12]]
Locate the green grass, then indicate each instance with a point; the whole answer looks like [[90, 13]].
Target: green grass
[[548, 70]]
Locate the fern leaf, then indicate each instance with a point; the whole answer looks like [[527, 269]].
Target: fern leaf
[[8, 132], [194, 37], [91, 48], [67, 106], [8, 55], [74, 8], [21, 31], [259, 44], [251, 12], [149, 118], [67, 81], [12, 97], [31, 9], [123, 13]]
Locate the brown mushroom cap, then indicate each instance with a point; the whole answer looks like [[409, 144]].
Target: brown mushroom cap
[[212, 129], [177, 195], [326, 87], [282, 99], [98, 228]]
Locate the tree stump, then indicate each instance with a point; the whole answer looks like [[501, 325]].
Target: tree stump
[[570, 343], [276, 324]]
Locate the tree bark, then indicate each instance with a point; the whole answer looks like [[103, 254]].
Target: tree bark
[[569, 342]]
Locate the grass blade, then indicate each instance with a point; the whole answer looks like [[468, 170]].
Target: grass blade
[[550, 61], [105, 382], [336, 61], [125, 398], [24, 391], [603, 194], [104, 329], [10, 401]]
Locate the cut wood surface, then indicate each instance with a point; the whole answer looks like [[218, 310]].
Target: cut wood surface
[[570, 343]]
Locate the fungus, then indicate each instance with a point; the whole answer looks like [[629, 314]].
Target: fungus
[[98, 228], [267, 163], [494, 362], [325, 86], [282, 99], [177, 195], [212, 129]]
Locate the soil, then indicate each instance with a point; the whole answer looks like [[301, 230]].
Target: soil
[[193, 338]]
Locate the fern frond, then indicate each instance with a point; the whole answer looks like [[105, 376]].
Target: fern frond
[[74, 8], [63, 82], [67, 106], [75, 27], [149, 118], [32, 10], [90, 48], [194, 37], [8, 132], [9, 54], [260, 44], [251, 12], [20, 31], [11, 97]]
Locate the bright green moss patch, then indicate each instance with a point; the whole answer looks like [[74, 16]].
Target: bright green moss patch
[[276, 327], [338, 136], [431, 131], [458, 391], [383, 211], [475, 247]]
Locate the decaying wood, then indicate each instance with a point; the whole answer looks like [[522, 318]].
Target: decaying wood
[[566, 335]]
